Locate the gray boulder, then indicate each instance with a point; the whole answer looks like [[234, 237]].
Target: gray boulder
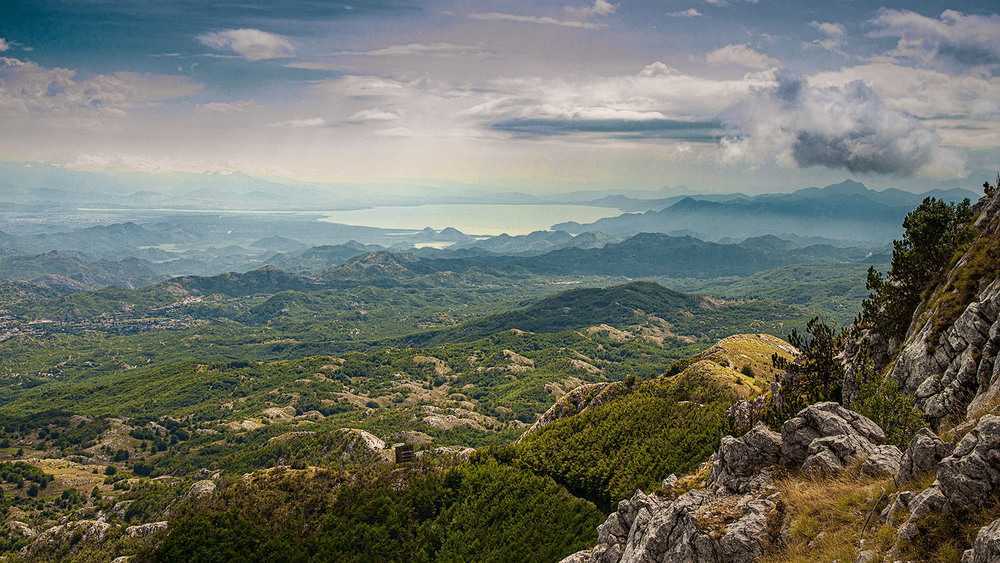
[[986, 548], [819, 421], [831, 454], [701, 526], [883, 463], [922, 455], [971, 475], [739, 459]]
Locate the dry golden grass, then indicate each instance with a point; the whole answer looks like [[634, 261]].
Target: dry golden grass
[[826, 517]]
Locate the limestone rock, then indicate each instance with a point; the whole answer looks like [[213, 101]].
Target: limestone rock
[[61, 536], [145, 530], [922, 455], [831, 454], [361, 445], [581, 556], [823, 420], [971, 474], [701, 526], [202, 488], [956, 372], [883, 463], [986, 548], [279, 413], [738, 459], [577, 401], [900, 503]]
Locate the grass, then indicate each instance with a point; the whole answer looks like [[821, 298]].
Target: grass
[[826, 517]]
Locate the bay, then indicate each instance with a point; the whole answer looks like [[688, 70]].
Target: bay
[[471, 219]]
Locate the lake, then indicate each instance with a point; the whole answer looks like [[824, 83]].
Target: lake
[[471, 219]]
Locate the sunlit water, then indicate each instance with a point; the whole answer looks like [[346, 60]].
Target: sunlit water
[[471, 219]]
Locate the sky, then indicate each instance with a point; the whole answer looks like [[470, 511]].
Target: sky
[[536, 96]]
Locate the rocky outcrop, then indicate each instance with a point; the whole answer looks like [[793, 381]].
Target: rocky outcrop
[[923, 455], [145, 530], [986, 548], [946, 374], [860, 435], [738, 513], [201, 488], [952, 369], [64, 535], [362, 446], [971, 474], [700, 526], [739, 459]]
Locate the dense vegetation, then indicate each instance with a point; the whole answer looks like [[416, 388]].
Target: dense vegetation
[[662, 426], [475, 511]]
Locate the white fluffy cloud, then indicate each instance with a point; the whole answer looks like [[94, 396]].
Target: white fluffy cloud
[[546, 20], [4, 45], [741, 55], [600, 8], [374, 114], [834, 36], [29, 89], [251, 44], [241, 106], [838, 128], [954, 41], [433, 49], [689, 13]]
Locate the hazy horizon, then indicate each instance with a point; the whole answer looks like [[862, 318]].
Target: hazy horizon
[[536, 97]]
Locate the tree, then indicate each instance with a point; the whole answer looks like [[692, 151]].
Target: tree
[[933, 233], [816, 371]]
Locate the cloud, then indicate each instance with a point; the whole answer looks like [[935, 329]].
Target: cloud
[[924, 93], [955, 41], [600, 8], [497, 16], [658, 102], [741, 55], [656, 127], [835, 128], [4, 45], [241, 106], [830, 29], [834, 33], [359, 86], [689, 13], [374, 114], [251, 44], [433, 49], [29, 89], [298, 123]]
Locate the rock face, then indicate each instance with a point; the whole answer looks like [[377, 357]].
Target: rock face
[[828, 420], [362, 446], [737, 515], [971, 474], [738, 459], [62, 535], [145, 530], [923, 455], [953, 371], [700, 526], [947, 374], [986, 548]]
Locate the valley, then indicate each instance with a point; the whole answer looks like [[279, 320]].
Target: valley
[[149, 413]]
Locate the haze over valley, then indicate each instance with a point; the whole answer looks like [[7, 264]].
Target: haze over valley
[[568, 281]]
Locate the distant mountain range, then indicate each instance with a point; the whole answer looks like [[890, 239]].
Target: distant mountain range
[[844, 211]]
